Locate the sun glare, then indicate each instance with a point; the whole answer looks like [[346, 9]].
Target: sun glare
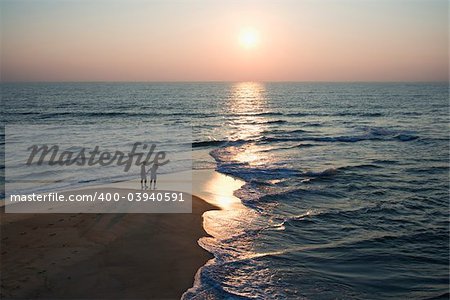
[[249, 38]]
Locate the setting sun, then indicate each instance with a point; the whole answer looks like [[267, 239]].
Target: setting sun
[[246, 149], [249, 38]]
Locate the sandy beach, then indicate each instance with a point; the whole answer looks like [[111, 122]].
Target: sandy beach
[[111, 255], [223, 150], [101, 256]]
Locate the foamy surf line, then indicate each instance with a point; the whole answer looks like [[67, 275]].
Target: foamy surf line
[[214, 188]]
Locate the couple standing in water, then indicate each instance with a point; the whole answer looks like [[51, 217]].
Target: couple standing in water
[[153, 173]]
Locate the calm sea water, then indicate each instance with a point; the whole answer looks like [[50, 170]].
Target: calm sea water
[[347, 185]]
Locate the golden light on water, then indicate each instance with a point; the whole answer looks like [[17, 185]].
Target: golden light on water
[[248, 101], [247, 157], [249, 93], [220, 190]]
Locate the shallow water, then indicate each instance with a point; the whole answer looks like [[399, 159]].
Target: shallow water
[[347, 185]]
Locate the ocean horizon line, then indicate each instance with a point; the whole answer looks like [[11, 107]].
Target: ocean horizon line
[[233, 81]]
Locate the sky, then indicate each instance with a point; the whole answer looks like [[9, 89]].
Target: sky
[[278, 40]]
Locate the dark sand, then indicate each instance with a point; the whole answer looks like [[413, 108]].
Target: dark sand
[[101, 256]]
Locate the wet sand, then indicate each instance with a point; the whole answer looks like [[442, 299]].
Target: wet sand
[[101, 256]]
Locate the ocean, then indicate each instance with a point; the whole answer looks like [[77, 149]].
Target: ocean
[[346, 191]]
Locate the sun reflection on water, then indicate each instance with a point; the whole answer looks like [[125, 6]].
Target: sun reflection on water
[[220, 188], [247, 105], [233, 228], [247, 102]]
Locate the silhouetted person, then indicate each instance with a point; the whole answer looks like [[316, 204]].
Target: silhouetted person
[[143, 177], [153, 170]]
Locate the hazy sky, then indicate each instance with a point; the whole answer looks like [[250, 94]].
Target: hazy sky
[[296, 40]]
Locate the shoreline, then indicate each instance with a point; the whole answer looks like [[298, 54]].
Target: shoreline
[[102, 256], [111, 255]]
